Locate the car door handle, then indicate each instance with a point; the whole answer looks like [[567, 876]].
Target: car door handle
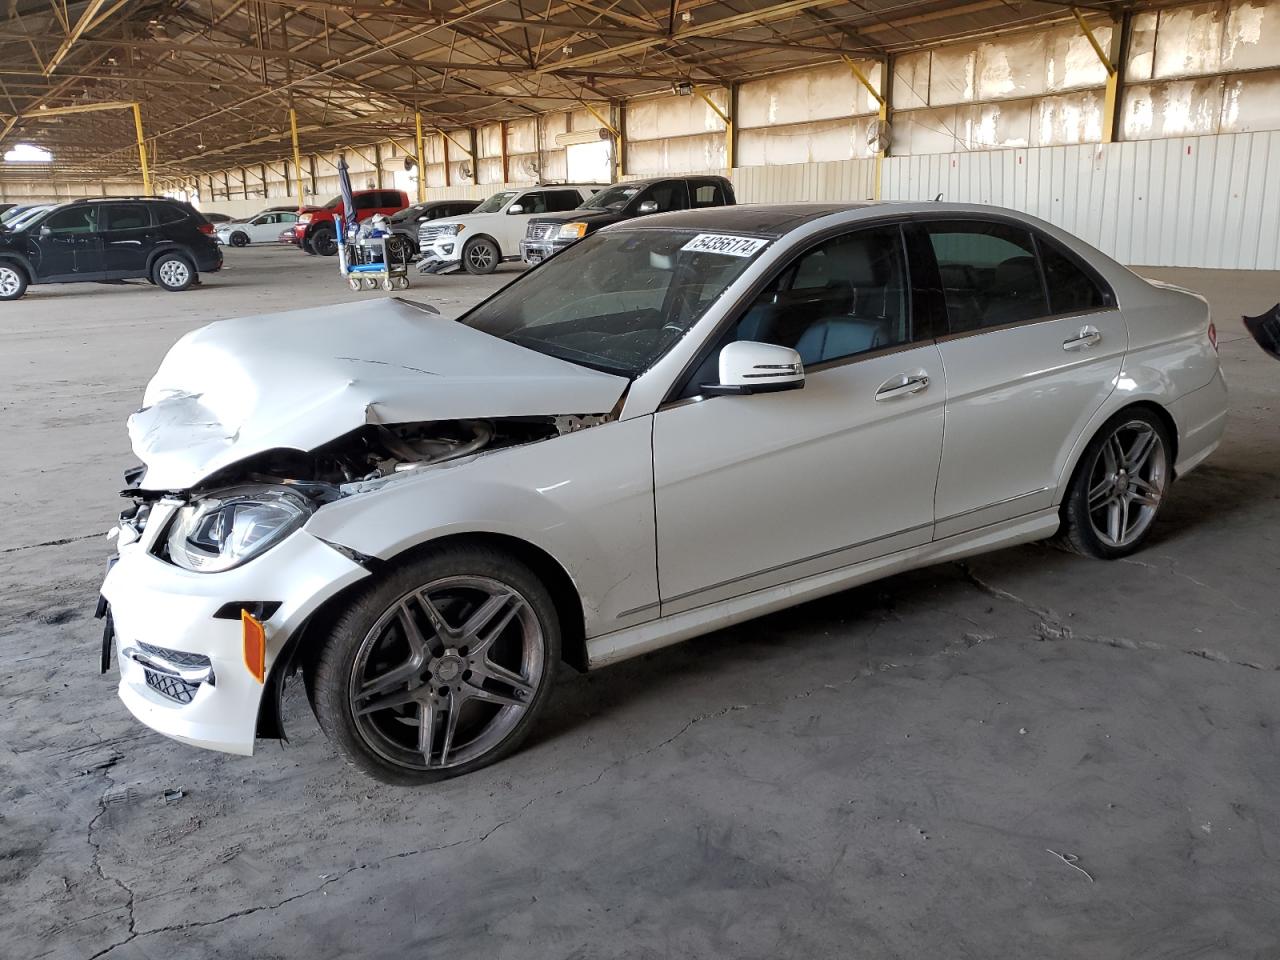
[[1087, 337], [902, 385]]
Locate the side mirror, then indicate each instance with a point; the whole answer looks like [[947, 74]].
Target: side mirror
[[515, 208], [648, 206], [749, 367]]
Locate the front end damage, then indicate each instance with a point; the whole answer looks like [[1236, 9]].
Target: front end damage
[[218, 580]]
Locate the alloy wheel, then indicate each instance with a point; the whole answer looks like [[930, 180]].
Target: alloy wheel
[[10, 282], [447, 672], [174, 273], [1126, 483], [481, 256]]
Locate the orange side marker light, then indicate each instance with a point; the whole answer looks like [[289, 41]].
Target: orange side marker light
[[255, 645]]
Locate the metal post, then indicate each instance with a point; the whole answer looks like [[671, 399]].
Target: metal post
[[444, 145], [882, 113], [422, 159], [142, 150], [1113, 75], [728, 126], [506, 160], [297, 157]]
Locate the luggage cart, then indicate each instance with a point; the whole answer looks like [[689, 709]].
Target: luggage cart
[[366, 262]]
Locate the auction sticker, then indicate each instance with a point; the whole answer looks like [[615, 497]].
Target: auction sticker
[[725, 244]]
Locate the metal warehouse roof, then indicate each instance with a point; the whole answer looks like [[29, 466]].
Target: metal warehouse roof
[[216, 78]]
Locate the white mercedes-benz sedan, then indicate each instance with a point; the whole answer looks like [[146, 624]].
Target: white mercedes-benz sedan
[[677, 424]]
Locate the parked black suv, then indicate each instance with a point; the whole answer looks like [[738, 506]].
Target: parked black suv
[[164, 241], [622, 201]]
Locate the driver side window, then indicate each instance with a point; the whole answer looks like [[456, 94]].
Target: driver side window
[[844, 297], [533, 203], [73, 220]]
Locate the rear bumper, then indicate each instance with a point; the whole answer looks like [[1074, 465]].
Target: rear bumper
[[1201, 417]]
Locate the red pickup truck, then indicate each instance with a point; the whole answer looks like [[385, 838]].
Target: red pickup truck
[[315, 231]]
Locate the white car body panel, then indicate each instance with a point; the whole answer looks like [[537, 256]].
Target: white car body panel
[[506, 229], [670, 517], [227, 391], [732, 464], [264, 228]]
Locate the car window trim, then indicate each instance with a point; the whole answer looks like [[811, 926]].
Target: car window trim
[[672, 397]]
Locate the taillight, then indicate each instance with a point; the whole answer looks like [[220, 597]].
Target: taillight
[[1213, 335], [206, 228]]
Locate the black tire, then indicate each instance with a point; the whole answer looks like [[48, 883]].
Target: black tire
[[173, 272], [239, 239], [324, 242], [480, 256], [385, 743], [307, 248], [13, 281], [1106, 486]]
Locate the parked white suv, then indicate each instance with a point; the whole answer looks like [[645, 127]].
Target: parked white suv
[[492, 232]]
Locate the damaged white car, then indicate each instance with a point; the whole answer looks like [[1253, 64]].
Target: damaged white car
[[424, 517]]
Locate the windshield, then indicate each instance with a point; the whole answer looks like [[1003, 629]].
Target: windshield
[[617, 301], [335, 203], [24, 218], [495, 203], [613, 198]]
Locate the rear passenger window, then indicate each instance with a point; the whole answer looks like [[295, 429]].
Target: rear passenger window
[[560, 200], [168, 213], [989, 272], [707, 195], [367, 201], [125, 216], [844, 297], [1070, 288]]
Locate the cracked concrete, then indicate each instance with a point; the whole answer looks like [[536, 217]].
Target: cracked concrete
[[878, 774]]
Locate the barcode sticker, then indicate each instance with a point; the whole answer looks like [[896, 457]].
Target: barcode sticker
[[729, 246]]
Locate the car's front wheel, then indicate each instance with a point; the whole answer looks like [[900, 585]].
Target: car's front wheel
[[13, 281], [324, 242], [480, 256], [239, 239], [1118, 487], [440, 668], [173, 272]]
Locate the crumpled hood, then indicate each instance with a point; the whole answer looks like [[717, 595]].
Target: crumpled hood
[[302, 378]]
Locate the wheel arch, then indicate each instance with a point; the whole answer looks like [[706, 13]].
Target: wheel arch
[[1100, 419], [19, 261], [301, 647], [165, 249], [484, 236]]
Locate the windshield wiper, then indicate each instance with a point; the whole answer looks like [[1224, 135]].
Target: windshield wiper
[[569, 354]]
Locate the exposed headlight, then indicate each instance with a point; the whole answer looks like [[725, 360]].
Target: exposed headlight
[[452, 229], [304, 218], [572, 231], [219, 533]]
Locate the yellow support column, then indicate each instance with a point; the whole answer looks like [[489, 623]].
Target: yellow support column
[[728, 127], [297, 157], [1113, 75], [422, 159], [142, 150], [882, 113]]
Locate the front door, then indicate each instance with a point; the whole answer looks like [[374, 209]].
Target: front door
[[127, 238], [1033, 349], [68, 244], [754, 491]]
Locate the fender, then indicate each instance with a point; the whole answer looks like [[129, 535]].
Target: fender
[[484, 236], [20, 259], [170, 246], [585, 499]]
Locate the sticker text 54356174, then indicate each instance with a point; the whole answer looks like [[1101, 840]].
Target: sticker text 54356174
[[726, 244]]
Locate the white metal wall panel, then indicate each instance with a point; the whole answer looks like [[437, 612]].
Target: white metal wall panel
[[1188, 202]]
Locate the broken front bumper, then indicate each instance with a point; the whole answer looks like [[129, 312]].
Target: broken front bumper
[[179, 639], [436, 265]]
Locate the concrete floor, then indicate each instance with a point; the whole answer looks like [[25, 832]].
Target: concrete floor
[[890, 772]]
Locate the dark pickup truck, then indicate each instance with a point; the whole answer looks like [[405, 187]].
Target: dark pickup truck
[[550, 234]]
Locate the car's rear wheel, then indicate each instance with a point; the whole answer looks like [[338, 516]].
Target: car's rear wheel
[[1118, 487], [239, 239], [173, 272], [480, 256], [440, 668], [13, 281], [324, 242]]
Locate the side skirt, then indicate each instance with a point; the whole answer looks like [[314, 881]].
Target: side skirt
[[655, 634]]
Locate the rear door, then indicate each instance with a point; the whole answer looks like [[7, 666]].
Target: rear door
[[128, 236], [1033, 347]]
